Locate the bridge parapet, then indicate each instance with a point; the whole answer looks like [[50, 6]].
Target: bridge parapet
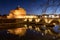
[[35, 20]]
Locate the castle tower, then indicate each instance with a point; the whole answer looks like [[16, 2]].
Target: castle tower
[[17, 13]]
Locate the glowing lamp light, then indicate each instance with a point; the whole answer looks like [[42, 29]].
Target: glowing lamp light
[[45, 16]]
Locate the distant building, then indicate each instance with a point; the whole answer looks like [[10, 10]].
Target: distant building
[[50, 16]]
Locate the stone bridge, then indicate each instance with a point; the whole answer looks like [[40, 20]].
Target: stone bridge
[[34, 20], [17, 22], [46, 20]]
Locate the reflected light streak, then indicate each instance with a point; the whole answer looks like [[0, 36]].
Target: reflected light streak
[[18, 31]]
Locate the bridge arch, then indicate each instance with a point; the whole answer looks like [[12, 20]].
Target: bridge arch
[[48, 20], [54, 21], [42, 21]]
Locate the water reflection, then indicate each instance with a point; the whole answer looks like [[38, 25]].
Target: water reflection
[[17, 31], [38, 28], [31, 31], [56, 28]]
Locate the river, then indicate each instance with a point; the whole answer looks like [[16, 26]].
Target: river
[[33, 32]]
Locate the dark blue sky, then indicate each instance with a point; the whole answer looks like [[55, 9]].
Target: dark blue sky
[[31, 6]]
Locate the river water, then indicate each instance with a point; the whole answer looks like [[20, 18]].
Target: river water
[[33, 32]]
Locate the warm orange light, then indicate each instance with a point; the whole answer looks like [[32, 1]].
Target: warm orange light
[[17, 31], [17, 13]]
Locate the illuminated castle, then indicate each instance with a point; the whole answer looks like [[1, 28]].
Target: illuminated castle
[[19, 13]]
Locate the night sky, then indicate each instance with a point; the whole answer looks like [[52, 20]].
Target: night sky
[[31, 6]]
